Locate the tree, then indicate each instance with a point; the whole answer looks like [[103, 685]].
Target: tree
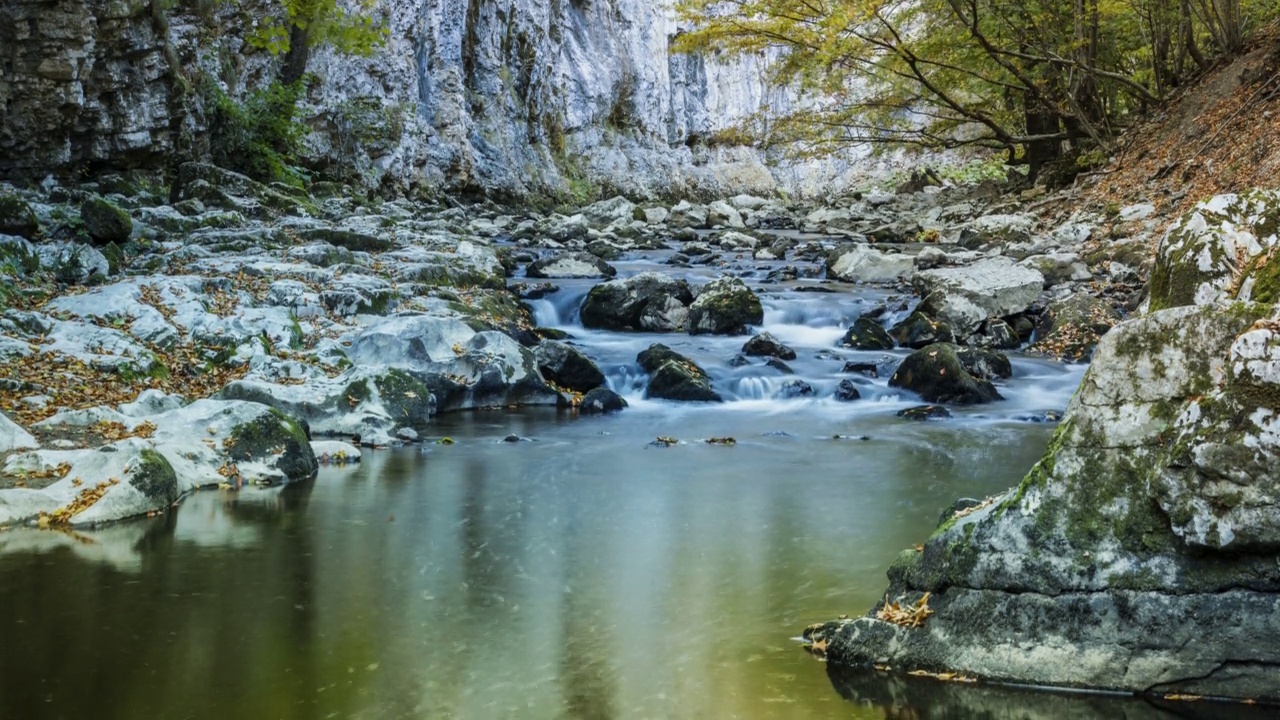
[[1029, 77], [298, 26]]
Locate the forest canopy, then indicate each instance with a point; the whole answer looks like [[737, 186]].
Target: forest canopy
[[1032, 77]]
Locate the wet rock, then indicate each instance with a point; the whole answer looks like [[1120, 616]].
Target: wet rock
[[601, 401], [985, 364], [679, 379], [918, 330], [652, 358], [866, 369], [765, 345], [725, 306], [996, 333], [793, 389], [105, 222], [867, 334], [567, 367], [847, 391], [925, 412], [17, 217], [646, 302], [862, 263], [963, 297], [1042, 416], [779, 365], [571, 265], [463, 368], [937, 375]]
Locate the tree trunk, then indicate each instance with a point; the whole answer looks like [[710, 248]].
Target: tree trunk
[[295, 60]]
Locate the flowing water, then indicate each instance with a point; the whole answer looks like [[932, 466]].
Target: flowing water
[[578, 573]]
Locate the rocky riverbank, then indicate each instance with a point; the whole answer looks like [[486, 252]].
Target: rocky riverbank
[[200, 336], [1140, 553]]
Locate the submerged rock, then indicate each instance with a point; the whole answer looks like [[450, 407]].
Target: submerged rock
[[766, 345], [925, 412], [938, 375], [601, 401]]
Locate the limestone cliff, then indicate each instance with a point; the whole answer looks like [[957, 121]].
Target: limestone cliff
[[505, 96]]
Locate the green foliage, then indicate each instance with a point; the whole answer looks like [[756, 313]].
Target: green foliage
[[259, 137], [1020, 76], [322, 23]]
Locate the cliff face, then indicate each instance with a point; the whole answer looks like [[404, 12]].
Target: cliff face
[[505, 96]]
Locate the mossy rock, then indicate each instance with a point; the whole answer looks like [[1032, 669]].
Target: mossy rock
[[406, 398], [938, 375], [17, 217], [725, 307], [275, 435], [155, 478], [867, 334], [105, 222]]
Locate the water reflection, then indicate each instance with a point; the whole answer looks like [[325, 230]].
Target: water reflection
[[579, 575], [895, 697]]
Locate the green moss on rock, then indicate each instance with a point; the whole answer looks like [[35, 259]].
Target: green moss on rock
[[275, 435]]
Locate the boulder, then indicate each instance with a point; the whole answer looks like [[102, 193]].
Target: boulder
[[985, 364], [17, 217], [675, 380], [646, 302], [608, 211], [1220, 250], [372, 402], [992, 230], [725, 306], [937, 375], [567, 367], [1070, 328], [72, 262], [571, 265], [601, 401], [867, 334], [992, 287], [105, 222], [202, 444], [723, 214], [862, 263], [1157, 499], [766, 345], [687, 215], [918, 330], [462, 368]]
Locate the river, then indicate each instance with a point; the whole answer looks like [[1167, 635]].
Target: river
[[579, 572]]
